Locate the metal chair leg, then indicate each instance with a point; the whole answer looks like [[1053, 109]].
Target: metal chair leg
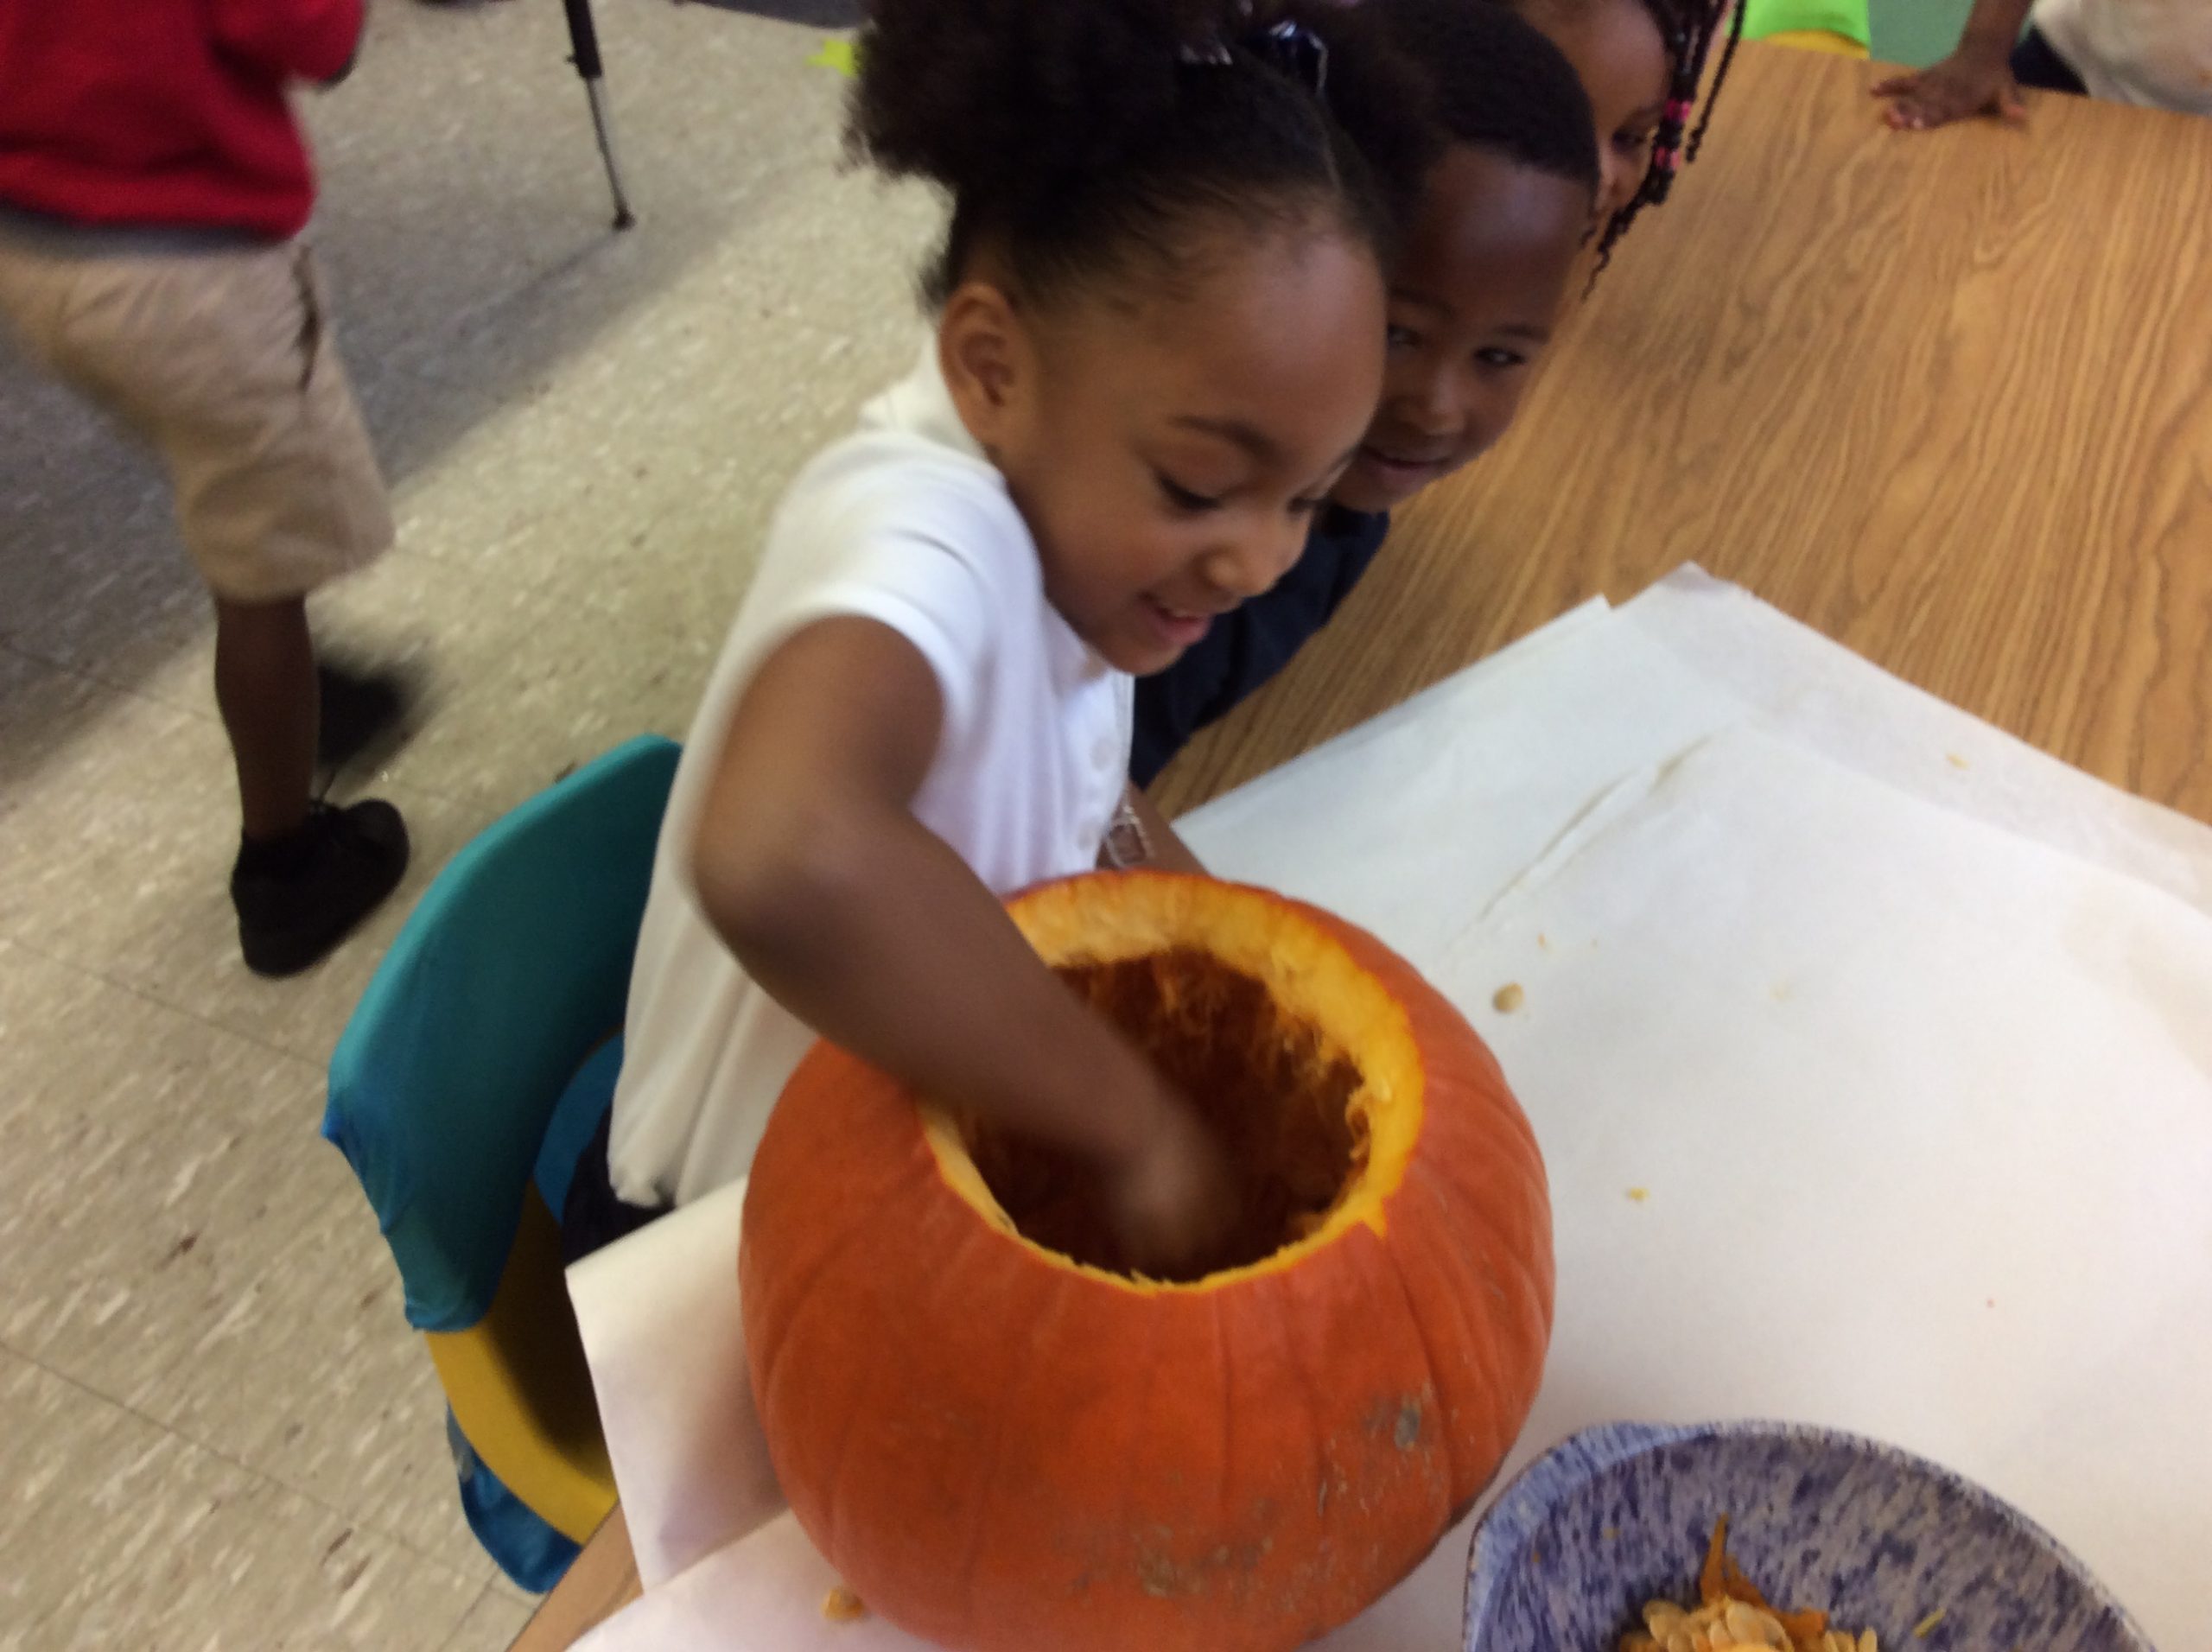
[[583, 38]]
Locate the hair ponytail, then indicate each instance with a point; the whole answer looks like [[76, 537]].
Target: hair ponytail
[[1078, 135]]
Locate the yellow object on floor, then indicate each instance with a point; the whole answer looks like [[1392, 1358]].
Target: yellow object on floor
[[837, 52]]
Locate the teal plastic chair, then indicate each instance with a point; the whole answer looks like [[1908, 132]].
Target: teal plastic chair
[[468, 1080]]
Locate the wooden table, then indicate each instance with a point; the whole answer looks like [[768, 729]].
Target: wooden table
[[1946, 398], [603, 1580]]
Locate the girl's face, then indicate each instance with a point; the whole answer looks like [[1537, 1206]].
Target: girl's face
[[1169, 452], [1476, 291], [1617, 50]]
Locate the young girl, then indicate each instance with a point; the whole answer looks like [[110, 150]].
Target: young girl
[[1159, 321], [1495, 237], [1642, 63]]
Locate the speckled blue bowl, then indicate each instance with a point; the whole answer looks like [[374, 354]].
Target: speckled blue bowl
[[1880, 1539]]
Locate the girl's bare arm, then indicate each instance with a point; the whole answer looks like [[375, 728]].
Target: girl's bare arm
[[866, 926]]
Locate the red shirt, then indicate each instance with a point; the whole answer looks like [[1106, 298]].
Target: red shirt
[[165, 111]]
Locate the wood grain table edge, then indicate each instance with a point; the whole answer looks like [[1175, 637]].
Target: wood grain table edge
[[601, 1582]]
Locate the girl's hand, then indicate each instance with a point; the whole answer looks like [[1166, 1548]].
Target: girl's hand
[[1174, 1202], [1973, 80]]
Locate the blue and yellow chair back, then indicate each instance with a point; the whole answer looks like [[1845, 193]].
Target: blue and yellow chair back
[[470, 1077]]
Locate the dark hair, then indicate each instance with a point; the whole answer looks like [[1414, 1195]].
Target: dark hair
[[1497, 83], [1688, 28], [1077, 136]]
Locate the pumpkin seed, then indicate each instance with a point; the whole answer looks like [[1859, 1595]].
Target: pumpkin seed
[[1749, 1626], [1731, 1624]]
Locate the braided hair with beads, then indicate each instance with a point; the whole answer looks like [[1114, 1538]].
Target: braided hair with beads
[[1688, 28]]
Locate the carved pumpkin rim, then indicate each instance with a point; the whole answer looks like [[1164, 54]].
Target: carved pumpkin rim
[[1310, 975]]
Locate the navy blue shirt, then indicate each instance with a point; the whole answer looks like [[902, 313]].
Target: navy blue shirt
[[1250, 644]]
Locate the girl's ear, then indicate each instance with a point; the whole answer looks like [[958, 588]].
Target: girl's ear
[[988, 358]]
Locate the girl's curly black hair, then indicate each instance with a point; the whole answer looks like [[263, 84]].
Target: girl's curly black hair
[[1079, 139]]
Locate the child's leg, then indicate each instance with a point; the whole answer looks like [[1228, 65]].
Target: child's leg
[[265, 688], [223, 361]]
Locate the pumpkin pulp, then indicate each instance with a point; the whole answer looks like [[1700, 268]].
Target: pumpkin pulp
[[1298, 1061]]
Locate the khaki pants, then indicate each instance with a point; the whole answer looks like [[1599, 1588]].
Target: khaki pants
[[223, 361]]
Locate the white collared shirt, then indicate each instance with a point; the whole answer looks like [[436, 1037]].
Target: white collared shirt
[[2154, 53], [906, 523]]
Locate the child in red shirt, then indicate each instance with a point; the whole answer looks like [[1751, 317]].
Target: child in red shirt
[[153, 185]]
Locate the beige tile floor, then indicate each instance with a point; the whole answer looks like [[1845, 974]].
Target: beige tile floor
[[215, 1428]]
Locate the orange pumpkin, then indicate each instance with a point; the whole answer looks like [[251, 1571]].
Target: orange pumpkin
[[1003, 1444]]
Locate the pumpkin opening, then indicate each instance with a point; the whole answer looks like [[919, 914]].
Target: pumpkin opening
[[1273, 1090], [1299, 1057]]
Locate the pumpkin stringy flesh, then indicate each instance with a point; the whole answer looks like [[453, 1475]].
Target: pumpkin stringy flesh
[[1301, 1069]]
